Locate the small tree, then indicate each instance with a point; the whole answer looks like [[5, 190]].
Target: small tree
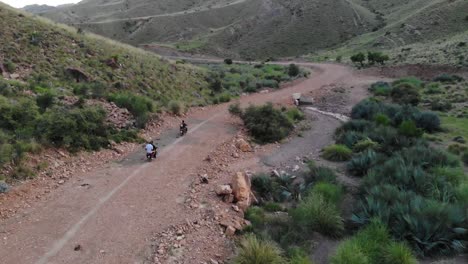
[[382, 59], [293, 70], [358, 58]]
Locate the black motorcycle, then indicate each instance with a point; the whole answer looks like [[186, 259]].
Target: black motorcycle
[[183, 130]]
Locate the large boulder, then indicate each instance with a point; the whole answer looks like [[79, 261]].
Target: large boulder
[[243, 145], [242, 190]]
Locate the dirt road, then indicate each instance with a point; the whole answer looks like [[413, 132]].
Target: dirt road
[[108, 216]]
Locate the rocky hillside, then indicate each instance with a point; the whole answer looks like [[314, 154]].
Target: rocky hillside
[[38, 9], [63, 88], [246, 28]]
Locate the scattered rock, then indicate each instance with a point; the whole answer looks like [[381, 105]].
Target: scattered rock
[[78, 74], [296, 168], [459, 139], [235, 155], [235, 208], [4, 187], [243, 145], [275, 173], [229, 198], [230, 231], [77, 247], [61, 182], [204, 179], [223, 189], [212, 261]]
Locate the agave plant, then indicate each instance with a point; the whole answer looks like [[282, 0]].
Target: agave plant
[[359, 165]]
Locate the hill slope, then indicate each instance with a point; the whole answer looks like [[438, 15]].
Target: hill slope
[[263, 28], [416, 31], [56, 83], [250, 28]]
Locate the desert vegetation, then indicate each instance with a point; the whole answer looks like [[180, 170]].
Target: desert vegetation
[[412, 196]]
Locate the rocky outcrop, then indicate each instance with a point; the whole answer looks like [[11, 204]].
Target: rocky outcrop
[[241, 190], [243, 145]]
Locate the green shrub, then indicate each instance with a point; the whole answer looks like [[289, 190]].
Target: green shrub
[[255, 215], [349, 253], [454, 175], [320, 174], [377, 57], [405, 93], [228, 61], [360, 164], [272, 207], [224, 97], [175, 107], [457, 149], [22, 172], [465, 157], [447, 78], [428, 121], [293, 70], [374, 245], [382, 119], [358, 58], [45, 100], [253, 250], [315, 214], [298, 256], [413, 81], [366, 144], [139, 106], [295, 115], [337, 153], [266, 124], [332, 193], [433, 88], [263, 185], [398, 253], [74, 129], [439, 105], [350, 138], [10, 66], [235, 110], [408, 128]]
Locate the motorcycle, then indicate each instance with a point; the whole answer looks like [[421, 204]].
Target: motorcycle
[[151, 156], [183, 131]]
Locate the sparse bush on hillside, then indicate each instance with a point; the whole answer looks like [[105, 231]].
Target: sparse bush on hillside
[[266, 124], [235, 110], [337, 153], [10, 66], [365, 144], [295, 114], [428, 121], [319, 174], [139, 106], [359, 165], [175, 107], [465, 157], [447, 78], [382, 119], [293, 70], [253, 250], [408, 128], [228, 61], [45, 100], [332, 193], [358, 58], [376, 57]]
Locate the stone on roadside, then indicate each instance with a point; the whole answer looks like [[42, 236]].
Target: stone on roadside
[[4, 188], [241, 190], [243, 145], [230, 231], [223, 189]]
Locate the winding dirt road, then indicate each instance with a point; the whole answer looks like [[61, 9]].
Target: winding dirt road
[[113, 218]]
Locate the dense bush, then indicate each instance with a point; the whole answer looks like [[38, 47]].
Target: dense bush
[[337, 153], [266, 124], [254, 250], [75, 128], [428, 121], [365, 144], [319, 174], [295, 114], [447, 78], [408, 128], [228, 61], [316, 214], [382, 119], [358, 58], [373, 245], [293, 70], [332, 193], [405, 93], [377, 57], [360, 164]]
